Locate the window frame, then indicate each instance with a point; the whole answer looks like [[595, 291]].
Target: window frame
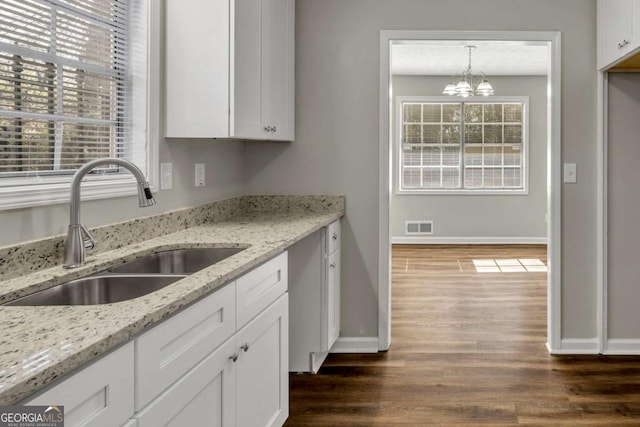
[[26, 192], [399, 190]]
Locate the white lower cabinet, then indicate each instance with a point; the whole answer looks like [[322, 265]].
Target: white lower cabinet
[[243, 383], [314, 290], [100, 394], [222, 361]]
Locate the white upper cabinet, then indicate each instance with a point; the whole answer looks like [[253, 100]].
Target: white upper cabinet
[[618, 30], [230, 69]]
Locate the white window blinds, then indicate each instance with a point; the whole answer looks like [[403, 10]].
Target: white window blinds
[[66, 73]]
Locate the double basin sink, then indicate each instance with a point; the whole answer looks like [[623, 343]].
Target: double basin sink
[[130, 280]]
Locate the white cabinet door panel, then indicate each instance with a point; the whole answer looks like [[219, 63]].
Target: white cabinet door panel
[[263, 370]]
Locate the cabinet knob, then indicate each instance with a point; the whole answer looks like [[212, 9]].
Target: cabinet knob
[[623, 44], [335, 236], [234, 357], [332, 265], [245, 347], [267, 128], [273, 129]]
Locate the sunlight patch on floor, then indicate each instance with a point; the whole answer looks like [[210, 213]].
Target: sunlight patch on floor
[[521, 265]]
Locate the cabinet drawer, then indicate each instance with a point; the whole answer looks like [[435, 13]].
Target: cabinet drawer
[[166, 352], [333, 237], [100, 394], [260, 287]]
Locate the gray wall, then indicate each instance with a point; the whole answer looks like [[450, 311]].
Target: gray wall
[[337, 130], [224, 178], [479, 216], [623, 205]]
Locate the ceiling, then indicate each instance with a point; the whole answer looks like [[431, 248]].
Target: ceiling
[[446, 58]]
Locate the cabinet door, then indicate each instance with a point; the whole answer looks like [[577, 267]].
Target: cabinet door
[[246, 62], [100, 394], [616, 30], [278, 67], [204, 397], [262, 368], [333, 298]]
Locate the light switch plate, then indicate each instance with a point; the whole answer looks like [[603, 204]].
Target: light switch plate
[[570, 173], [166, 176], [200, 175]]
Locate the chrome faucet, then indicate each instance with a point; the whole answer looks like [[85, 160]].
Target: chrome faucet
[[78, 237]]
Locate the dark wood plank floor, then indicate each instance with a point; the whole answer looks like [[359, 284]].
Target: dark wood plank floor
[[468, 348]]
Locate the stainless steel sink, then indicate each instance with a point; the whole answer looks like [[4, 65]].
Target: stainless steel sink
[[99, 289], [130, 280], [176, 261]]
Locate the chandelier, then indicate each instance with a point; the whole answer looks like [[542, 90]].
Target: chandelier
[[470, 83]]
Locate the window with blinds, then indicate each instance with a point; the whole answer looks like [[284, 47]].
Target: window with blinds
[[462, 145], [66, 73]]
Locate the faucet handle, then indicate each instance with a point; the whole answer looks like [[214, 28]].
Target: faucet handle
[[88, 240]]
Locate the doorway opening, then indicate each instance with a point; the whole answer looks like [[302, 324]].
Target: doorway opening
[[450, 176]]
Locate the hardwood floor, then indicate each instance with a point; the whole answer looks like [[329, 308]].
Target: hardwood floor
[[468, 348]]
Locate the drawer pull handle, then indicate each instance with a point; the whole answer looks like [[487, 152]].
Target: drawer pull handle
[[332, 265], [234, 357], [245, 347]]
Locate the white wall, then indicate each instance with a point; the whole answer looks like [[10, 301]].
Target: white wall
[[520, 217], [337, 130]]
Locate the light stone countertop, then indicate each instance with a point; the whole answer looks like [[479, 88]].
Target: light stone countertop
[[41, 344]]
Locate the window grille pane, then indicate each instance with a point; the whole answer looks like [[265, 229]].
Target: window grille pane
[[82, 143], [473, 134], [26, 145], [451, 134], [513, 177], [431, 156], [431, 113], [512, 134], [89, 95], [492, 156], [411, 113], [472, 155], [451, 113], [451, 156], [472, 178], [450, 178], [513, 113], [26, 85], [493, 134], [411, 178], [473, 113], [492, 113], [411, 134], [25, 23], [412, 155], [431, 178], [512, 156], [492, 177], [431, 134]]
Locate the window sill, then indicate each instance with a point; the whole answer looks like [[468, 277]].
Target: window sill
[[58, 191], [518, 192]]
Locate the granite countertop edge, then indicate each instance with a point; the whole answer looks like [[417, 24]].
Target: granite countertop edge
[[43, 344]]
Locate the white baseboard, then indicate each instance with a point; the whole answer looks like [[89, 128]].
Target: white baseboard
[[355, 345], [576, 346], [425, 240], [623, 347]]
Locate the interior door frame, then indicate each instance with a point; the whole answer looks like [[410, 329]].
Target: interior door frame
[[554, 170]]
